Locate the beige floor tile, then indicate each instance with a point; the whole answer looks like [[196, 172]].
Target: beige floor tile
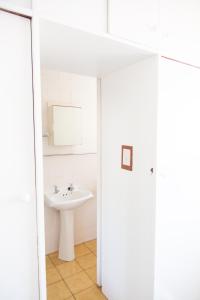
[[69, 268], [92, 273], [87, 261], [91, 244], [81, 250], [49, 264], [78, 282], [90, 294], [52, 276], [94, 250], [55, 260], [58, 291]]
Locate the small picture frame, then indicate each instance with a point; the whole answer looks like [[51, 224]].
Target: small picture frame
[[127, 157]]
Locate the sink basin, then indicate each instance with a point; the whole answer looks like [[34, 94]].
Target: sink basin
[[66, 201]]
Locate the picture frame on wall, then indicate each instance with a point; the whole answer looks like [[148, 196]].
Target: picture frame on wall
[[127, 157]]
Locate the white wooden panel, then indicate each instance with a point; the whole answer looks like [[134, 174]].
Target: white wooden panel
[[178, 193], [71, 50], [90, 15], [128, 198], [17, 3], [18, 251], [134, 20], [180, 25]]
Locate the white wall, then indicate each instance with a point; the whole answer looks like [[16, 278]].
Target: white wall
[[179, 38], [129, 99], [17, 3], [67, 88], [135, 20], [178, 193], [89, 15], [80, 168]]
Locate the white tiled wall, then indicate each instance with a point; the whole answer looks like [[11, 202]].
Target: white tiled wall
[[80, 168]]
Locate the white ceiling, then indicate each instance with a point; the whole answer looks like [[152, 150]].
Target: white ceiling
[[71, 50]]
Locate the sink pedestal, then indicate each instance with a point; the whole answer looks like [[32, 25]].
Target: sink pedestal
[[66, 244], [66, 203]]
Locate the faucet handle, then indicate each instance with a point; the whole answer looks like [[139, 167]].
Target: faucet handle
[[70, 187], [56, 190]]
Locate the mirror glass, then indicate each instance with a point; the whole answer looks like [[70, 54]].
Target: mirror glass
[[65, 123]]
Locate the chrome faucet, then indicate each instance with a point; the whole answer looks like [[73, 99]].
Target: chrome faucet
[[56, 190], [70, 188]]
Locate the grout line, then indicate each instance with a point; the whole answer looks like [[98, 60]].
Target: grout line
[[92, 251], [80, 265], [85, 289], [93, 280], [68, 154], [63, 279], [74, 294], [88, 247], [69, 275], [53, 282], [68, 287], [63, 262], [94, 284], [82, 254], [53, 263]]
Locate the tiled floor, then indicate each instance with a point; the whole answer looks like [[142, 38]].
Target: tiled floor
[[76, 279]]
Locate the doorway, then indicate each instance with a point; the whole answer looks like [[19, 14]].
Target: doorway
[[70, 170], [73, 51]]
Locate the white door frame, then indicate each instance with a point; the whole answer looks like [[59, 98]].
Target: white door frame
[[99, 181], [38, 156]]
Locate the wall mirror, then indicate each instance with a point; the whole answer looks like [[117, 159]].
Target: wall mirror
[[65, 124]]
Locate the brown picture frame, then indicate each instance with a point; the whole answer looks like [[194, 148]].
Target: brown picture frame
[[124, 165]]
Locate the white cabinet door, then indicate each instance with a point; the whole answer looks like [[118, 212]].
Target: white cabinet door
[[134, 20], [177, 273], [18, 251], [89, 15], [180, 29], [128, 198], [17, 3]]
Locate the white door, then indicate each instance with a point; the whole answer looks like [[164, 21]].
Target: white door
[[129, 99], [18, 250], [177, 274]]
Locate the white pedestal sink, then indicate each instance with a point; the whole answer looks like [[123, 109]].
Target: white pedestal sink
[[66, 243], [66, 201]]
